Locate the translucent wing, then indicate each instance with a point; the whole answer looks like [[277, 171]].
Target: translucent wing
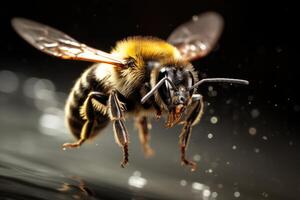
[[197, 37], [57, 43]]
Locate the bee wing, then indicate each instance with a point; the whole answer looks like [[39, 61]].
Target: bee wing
[[57, 43], [197, 37]]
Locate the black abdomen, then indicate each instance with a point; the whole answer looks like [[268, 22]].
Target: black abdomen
[[83, 86]]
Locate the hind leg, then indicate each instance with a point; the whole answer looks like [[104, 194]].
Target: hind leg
[[88, 112], [144, 135], [93, 104]]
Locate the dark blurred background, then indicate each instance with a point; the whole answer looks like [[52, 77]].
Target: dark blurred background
[[254, 44], [261, 120]]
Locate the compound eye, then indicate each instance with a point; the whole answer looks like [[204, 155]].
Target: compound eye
[[165, 91], [189, 81]]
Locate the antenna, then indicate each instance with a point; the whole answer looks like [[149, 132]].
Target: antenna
[[220, 80]]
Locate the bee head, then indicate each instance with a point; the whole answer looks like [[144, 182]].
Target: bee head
[[175, 91]]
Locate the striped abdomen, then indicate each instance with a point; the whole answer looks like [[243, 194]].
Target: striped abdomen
[[84, 85]]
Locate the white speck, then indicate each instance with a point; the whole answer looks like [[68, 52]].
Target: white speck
[[214, 120], [197, 186], [197, 157], [255, 113], [192, 47], [9, 81], [234, 147], [213, 93], [229, 101], [264, 137], [195, 18], [256, 150], [201, 45], [136, 180], [183, 183], [236, 194], [210, 136], [275, 105], [214, 194], [64, 149], [252, 131], [206, 193], [227, 163], [210, 171], [264, 194]]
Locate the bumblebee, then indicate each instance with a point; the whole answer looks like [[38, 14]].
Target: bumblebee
[[141, 77]]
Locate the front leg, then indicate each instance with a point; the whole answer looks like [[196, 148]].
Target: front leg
[[194, 115], [116, 112]]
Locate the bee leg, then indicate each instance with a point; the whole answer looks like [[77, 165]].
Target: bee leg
[[183, 141], [142, 125], [194, 115], [88, 112], [117, 109]]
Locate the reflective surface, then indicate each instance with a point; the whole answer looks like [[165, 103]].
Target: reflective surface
[[239, 151]]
